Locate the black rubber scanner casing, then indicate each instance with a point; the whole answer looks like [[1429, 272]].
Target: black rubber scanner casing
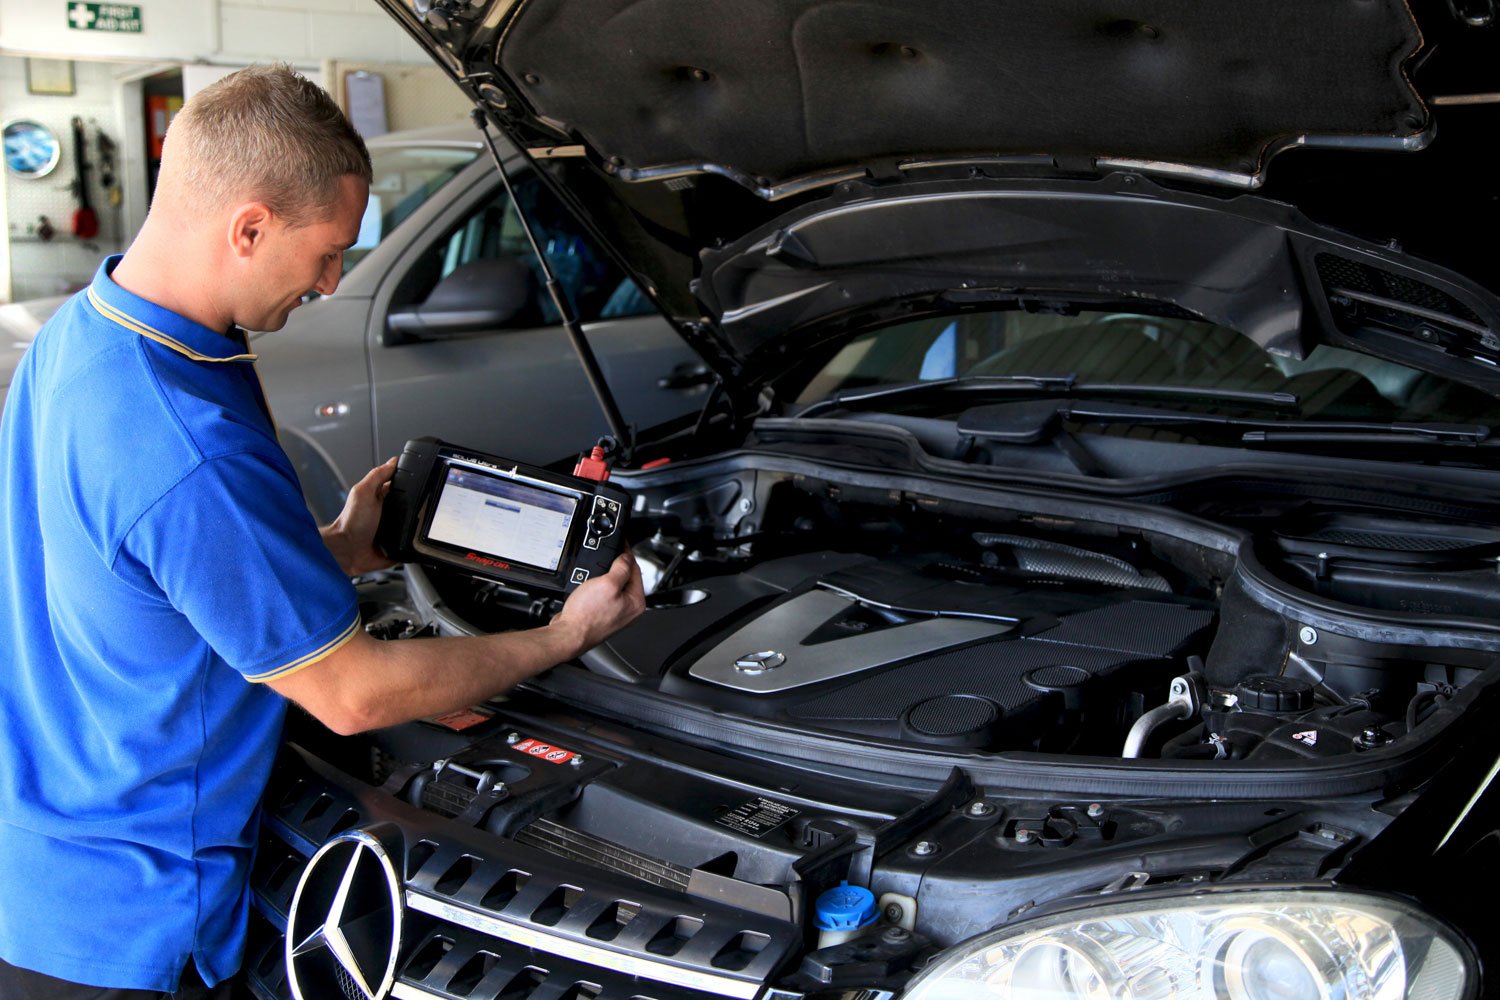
[[595, 536]]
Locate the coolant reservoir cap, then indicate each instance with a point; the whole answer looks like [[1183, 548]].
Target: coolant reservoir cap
[[1268, 693], [845, 907]]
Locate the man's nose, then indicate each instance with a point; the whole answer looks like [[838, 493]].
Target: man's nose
[[329, 279]]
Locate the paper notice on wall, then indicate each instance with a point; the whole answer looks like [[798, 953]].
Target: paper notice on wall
[[364, 93]]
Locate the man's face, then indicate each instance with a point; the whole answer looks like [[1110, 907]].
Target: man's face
[[302, 259]]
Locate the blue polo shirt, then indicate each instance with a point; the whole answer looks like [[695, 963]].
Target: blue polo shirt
[[157, 565]]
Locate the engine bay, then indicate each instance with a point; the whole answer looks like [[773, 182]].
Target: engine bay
[[966, 699], [921, 619]]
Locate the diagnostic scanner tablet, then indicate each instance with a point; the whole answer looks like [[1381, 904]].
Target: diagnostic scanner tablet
[[518, 524]]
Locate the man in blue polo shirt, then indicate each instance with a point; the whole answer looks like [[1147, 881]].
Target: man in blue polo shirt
[[163, 585]]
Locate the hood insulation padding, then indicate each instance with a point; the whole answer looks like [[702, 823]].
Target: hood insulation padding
[[784, 87]]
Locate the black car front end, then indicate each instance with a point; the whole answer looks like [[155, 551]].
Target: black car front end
[[1085, 557]]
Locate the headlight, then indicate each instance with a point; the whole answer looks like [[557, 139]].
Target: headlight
[[1304, 944]]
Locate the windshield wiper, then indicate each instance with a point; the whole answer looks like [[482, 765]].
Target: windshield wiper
[[1026, 421], [1046, 385], [1039, 421], [1281, 431], [1362, 433]]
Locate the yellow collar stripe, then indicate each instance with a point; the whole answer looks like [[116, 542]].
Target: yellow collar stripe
[[151, 333], [328, 649]]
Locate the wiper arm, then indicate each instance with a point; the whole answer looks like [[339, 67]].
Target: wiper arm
[[1281, 430], [1032, 421], [1217, 393], [938, 386], [1362, 433], [1046, 385]]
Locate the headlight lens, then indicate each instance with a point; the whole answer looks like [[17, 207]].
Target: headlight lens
[[1306, 944]]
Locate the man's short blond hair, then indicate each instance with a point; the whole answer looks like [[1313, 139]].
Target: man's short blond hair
[[265, 134]]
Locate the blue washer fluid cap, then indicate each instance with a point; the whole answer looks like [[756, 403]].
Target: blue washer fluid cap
[[845, 908]]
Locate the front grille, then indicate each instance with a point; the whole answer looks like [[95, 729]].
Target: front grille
[[574, 912], [350, 987], [553, 913], [453, 963], [557, 839], [461, 964]]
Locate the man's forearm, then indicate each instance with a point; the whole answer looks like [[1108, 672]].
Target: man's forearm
[[368, 683]]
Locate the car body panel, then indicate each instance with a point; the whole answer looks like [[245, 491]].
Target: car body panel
[[495, 386], [318, 388]]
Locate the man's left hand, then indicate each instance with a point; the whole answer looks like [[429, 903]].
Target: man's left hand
[[351, 537]]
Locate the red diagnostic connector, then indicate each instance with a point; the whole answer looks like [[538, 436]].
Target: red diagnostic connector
[[592, 466]]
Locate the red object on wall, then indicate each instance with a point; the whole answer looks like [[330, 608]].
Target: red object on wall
[[160, 110], [85, 220]]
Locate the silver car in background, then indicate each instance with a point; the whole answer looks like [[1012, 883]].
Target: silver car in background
[[442, 287]]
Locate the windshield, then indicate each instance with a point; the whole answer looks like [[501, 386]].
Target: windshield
[[404, 177], [1135, 349]]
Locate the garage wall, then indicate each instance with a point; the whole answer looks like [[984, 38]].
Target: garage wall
[[64, 263], [415, 96], [323, 38], [297, 32], [302, 32]]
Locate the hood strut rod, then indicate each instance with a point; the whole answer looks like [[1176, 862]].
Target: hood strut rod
[[617, 426]]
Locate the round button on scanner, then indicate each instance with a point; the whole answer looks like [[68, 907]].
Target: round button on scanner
[[602, 523]]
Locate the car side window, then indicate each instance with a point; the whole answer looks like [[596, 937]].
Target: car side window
[[595, 286], [402, 179]]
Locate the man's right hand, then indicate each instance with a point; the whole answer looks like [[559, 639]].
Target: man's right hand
[[351, 537], [605, 604]]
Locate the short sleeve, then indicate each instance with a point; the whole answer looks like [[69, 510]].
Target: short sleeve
[[233, 548]]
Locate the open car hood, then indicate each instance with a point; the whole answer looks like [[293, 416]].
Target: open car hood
[[783, 90], [791, 169]]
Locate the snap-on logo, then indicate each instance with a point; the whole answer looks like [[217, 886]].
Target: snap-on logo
[[476, 460], [486, 561], [546, 751]]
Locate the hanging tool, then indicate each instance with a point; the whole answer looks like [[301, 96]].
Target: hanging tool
[[105, 149], [85, 221]]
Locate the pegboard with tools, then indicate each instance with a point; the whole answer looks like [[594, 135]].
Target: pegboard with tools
[[55, 244]]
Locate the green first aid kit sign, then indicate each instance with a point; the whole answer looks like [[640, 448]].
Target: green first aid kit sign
[[104, 17]]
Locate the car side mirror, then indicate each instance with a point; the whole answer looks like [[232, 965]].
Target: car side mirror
[[478, 296]]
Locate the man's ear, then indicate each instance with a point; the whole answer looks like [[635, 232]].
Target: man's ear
[[248, 226]]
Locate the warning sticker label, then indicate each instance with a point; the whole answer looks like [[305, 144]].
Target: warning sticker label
[[757, 817], [462, 719], [544, 751]]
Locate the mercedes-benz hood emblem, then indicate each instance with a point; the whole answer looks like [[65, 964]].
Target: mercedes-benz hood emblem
[[344, 930], [755, 663]]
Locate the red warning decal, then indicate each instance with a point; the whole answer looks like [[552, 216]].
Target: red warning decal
[[545, 751], [462, 719]]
